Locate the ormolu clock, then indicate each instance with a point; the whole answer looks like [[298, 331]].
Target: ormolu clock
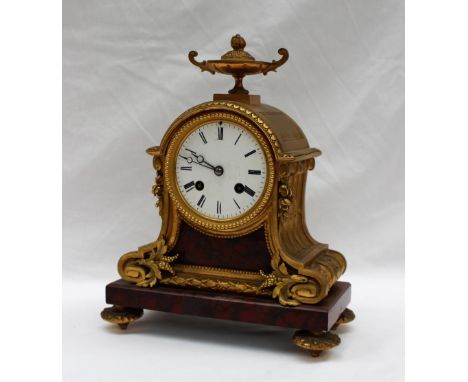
[[230, 188]]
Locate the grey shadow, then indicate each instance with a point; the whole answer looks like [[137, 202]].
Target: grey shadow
[[263, 338]]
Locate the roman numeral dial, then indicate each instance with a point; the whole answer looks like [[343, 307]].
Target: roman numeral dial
[[220, 170]]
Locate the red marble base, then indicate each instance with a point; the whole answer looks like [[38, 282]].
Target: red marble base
[[259, 310]]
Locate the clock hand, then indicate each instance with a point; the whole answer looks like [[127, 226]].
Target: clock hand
[[190, 160], [203, 165], [218, 170], [201, 160]]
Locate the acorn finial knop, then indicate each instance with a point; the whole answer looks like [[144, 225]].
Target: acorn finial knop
[[238, 42]]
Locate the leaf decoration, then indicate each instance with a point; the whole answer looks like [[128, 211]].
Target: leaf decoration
[[155, 263], [270, 280], [282, 285], [282, 268]]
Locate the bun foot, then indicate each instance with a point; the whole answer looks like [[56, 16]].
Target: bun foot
[[345, 317], [316, 342], [121, 316]]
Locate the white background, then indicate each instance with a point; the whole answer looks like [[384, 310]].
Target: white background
[[31, 193], [126, 76]]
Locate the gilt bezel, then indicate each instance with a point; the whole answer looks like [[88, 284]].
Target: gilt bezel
[[248, 221]]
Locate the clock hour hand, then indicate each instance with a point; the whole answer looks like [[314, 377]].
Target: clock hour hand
[[201, 160], [190, 160], [218, 170]]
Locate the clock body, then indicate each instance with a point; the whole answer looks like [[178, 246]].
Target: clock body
[[230, 185], [233, 244]]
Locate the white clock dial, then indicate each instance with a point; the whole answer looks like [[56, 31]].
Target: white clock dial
[[221, 170]]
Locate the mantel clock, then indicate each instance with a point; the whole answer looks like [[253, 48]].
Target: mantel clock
[[230, 189]]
